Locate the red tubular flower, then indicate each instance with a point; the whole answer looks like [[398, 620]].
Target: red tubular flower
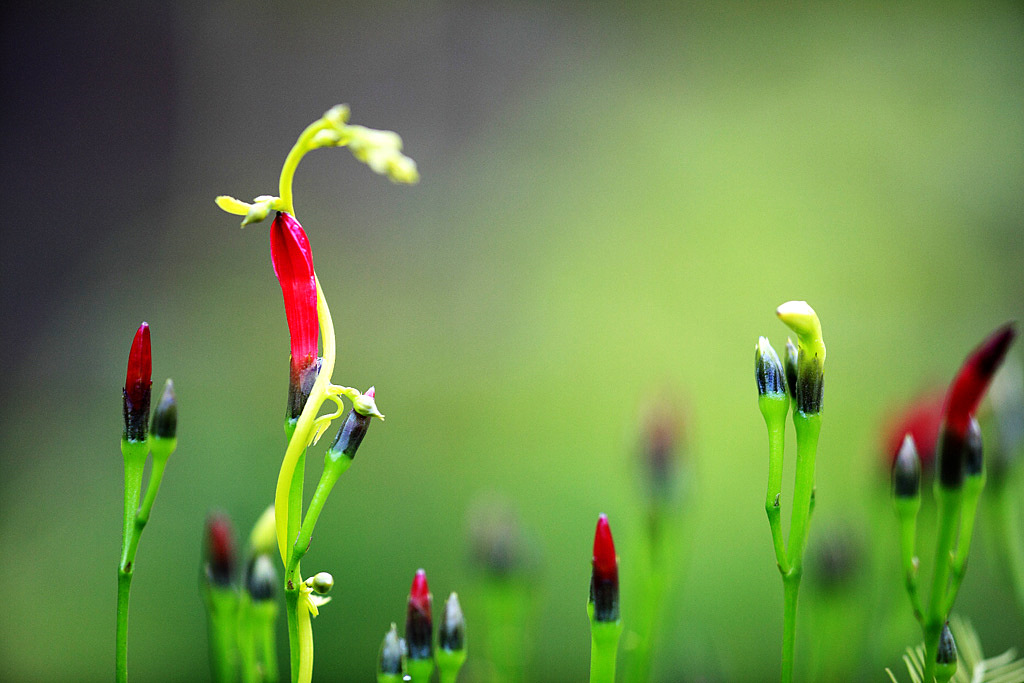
[[604, 578], [220, 551], [965, 393], [138, 386], [293, 265], [968, 388], [419, 624]]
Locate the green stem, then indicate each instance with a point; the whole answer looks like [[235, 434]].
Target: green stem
[[291, 608], [772, 505], [908, 541], [973, 487], [949, 506], [292, 577], [124, 588], [156, 475], [263, 620], [790, 588], [332, 470], [135, 453], [419, 670], [222, 611], [604, 648], [247, 641], [448, 664]]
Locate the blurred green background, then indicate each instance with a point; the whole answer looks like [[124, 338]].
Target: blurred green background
[[614, 200]]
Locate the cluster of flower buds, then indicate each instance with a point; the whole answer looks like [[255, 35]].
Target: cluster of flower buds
[[413, 658]]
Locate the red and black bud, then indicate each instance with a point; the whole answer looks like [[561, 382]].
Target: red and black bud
[[906, 470], [220, 551], [419, 626], [138, 386], [965, 393], [604, 577], [293, 265]]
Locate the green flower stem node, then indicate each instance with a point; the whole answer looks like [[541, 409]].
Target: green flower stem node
[[949, 502], [973, 486], [906, 512], [222, 614], [604, 648], [448, 663], [419, 670]]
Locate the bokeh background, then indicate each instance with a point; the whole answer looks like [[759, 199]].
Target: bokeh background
[[614, 200]]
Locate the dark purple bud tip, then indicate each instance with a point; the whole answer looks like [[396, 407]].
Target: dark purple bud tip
[[419, 625], [906, 470], [946, 654], [604, 578], [138, 386], [165, 417]]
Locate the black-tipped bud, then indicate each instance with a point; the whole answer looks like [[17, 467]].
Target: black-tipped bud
[[392, 650], [452, 634], [165, 417], [950, 456], [791, 359], [350, 435], [945, 656], [604, 575], [974, 461], [906, 471], [260, 578], [768, 371]]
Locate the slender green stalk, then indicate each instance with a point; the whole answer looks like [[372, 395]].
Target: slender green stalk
[[222, 613], [135, 453], [333, 469], [968, 511], [301, 147], [291, 608], [264, 618], [949, 506], [420, 670], [506, 605], [790, 588], [448, 664], [773, 495], [604, 648], [908, 541], [247, 641]]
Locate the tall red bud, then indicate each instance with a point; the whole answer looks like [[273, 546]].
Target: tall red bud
[[293, 265], [965, 393], [419, 625], [138, 386], [604, 578]]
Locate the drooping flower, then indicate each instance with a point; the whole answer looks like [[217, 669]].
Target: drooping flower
[[604, 577], [138, 386], [293, 265]]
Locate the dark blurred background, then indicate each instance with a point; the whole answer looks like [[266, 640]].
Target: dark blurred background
[[614, 200]]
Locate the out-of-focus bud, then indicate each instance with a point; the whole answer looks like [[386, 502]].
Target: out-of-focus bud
[[837, 560], [662, 446], [945, 656], [261, 578], [921, 418], [163, 433], [220, 551], [810, 372], [791, 357], [974, 460], [497, 540], [419, 626], [1007, 399], [768, 371], [263, 537], [452, 634], [338, 115], [138, 386], [965, 393], [604, 576], [392, 650], [906, 471], [293, 265]]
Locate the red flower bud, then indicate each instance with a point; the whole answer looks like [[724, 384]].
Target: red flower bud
[[970, 384], [220, 551], [419, 624], [138, 386], [604, 579], [293, 265]]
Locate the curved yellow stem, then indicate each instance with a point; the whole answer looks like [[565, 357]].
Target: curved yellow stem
[[305, 643]]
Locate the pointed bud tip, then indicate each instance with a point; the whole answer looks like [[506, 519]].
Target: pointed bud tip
[[906, 472], [165, 417], [452, 635], [391, 652]]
